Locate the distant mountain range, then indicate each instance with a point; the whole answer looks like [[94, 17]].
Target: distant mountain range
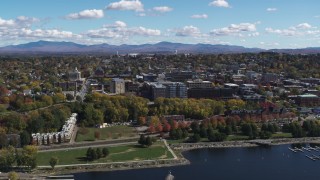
[[40, 47]]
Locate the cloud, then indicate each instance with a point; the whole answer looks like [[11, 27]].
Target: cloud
[[134, 5], [269, 44], [219, 3], [49, 33], [87, 14], [20, 21], [4, 22], [255, 34], [21, 29], [142, 14], [117, 24], [199, 16], [304, 26], [284, 32], [188, 31], [298, 30], [234, 29], [142, 31], [162, 9], [120, 30], [272, 9]]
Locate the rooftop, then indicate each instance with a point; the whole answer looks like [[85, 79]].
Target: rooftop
[[308, 96]]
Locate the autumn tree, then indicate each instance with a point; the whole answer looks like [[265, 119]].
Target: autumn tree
[[142, 120]]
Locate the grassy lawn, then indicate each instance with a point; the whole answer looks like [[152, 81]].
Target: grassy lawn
[[172, 141], [117, 154], [237, 137], [281, 135], [114, 132]]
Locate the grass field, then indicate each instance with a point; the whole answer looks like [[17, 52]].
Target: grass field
[[236, 137], [115, 132], [281, 135], [117, 154]]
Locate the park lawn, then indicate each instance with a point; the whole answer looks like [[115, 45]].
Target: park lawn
[[236, 137], [117, 154], [175, 141], [114, 132], [281, 135]]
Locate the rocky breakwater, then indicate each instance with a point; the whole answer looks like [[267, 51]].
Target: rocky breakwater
[[190, 146], [113, 166]]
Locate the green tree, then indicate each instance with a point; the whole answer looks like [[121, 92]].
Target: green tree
[[203, 132], [142, 140], [148, 141], [47, 100], [195, 127], [195, 138], [25, 138], [216, 137], [89, 154], [13, 175], [99, 153], [70, 97], [53, 162], [7, 158], [29, 156], [105, 152], [58, 97]]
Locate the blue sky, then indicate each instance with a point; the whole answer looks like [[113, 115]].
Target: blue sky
[[250, 23]]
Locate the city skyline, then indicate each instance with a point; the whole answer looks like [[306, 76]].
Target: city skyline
[[267, 24]]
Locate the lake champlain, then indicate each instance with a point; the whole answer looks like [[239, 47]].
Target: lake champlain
[[263, 163]]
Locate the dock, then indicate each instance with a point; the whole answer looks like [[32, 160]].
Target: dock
[[312, 148], [307, 149], [312, 158], [298, 149], [293, 150], [315, 156]]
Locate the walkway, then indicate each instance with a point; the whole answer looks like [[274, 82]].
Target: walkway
[[169, 148], [103, 144]]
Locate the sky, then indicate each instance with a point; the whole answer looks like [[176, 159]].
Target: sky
[[264, 24]]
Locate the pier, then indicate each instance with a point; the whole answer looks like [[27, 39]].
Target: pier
[[293, 150], [307, 149], [298, 149], [312, 158]]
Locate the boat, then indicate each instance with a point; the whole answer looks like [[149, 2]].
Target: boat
[[293, 150], [315, 156], [313, 159], [169, 176], [297, 149], [306, 149]]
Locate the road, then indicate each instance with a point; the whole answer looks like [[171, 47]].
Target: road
[[84, 89]]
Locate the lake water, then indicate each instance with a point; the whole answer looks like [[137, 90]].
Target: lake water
[[276, 162]]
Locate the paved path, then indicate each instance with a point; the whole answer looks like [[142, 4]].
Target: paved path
[[169, 148], [88, 145], [94, 164]]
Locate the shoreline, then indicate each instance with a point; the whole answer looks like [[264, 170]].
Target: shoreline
[[180, 161], [112, 166], [244, 143]]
